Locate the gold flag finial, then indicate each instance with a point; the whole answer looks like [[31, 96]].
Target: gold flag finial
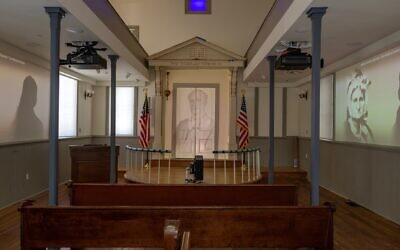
[[145, 91], [243, 91]]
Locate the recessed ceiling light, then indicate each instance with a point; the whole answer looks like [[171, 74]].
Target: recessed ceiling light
[[74, 30]]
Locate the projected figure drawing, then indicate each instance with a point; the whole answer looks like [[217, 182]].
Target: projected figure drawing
[[195, 134], [356, 127]]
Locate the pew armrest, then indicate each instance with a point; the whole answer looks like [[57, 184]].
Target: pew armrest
[[171, 234]]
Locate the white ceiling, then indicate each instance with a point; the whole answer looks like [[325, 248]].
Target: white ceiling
[[25, 24], [232, 24], [347, 27]]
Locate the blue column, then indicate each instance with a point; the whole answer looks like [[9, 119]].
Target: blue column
[[55, 14], [113, 172], [315, 14], [271, 60]]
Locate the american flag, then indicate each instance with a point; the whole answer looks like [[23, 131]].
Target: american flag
[[243, 125], [144, 122]]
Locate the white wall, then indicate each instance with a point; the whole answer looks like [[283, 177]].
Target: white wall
[[305, 111], [24, 101], [292, 112], [99, 110], [263, 111], [84, 110]]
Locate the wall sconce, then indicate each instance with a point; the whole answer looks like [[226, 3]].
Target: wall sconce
[[303, 94], [167, 92], [88, 93]]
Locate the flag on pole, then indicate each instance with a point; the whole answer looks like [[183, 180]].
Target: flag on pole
[[144, 122], [243, 125]]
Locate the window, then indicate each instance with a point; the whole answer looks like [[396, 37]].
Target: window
[[67, 109], [198, 6], [124, 110]]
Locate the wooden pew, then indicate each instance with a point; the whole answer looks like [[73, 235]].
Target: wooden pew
[[241, 227], [182, 195]]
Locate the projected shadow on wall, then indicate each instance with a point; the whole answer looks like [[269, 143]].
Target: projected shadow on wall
[[396, 127], [356, 127], [27, 125]]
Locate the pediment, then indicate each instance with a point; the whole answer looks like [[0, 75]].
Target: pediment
[[195, 49]]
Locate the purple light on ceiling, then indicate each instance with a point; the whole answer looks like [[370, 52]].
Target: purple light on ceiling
[[198, 5]]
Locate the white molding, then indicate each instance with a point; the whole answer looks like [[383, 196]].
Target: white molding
[[196, 40], [196, 63]]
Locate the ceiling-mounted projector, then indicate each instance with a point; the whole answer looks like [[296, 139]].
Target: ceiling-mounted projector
[[85, 56], [293, 59]]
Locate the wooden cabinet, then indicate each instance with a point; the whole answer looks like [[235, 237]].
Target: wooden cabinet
[[91, 163]]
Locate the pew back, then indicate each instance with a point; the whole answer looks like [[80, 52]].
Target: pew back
[[182, 195], [243, 227]]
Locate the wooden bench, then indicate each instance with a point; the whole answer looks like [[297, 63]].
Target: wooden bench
[[241, 227], [182, 195]]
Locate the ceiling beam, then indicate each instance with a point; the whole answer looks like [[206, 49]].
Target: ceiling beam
[[288, 18], [100, 18]]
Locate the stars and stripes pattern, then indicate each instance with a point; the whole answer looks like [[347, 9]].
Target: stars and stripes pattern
[[243, 125], [144, 122]]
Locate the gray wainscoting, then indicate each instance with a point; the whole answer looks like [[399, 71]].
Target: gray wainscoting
[[368, 175], [18, 160], [285, 150]]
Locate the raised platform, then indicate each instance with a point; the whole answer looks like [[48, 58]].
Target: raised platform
[[174, 172], [223, 174]]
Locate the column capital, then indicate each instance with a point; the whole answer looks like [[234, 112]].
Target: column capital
[[55, 10], [271, 58], [317, 11], [113, 57]]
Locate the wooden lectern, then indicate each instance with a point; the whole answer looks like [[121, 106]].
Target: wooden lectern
[[91, 163]]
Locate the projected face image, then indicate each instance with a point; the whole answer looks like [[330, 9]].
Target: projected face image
[[357, 103], [357, 113], [197, 102]]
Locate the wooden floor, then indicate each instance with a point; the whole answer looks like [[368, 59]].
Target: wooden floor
[[355, 227]]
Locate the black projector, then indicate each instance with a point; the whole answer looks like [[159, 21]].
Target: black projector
[[293, 62], [88, 62], [85, 56]]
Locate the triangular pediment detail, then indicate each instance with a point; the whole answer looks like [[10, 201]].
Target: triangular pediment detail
[[196, 48]]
